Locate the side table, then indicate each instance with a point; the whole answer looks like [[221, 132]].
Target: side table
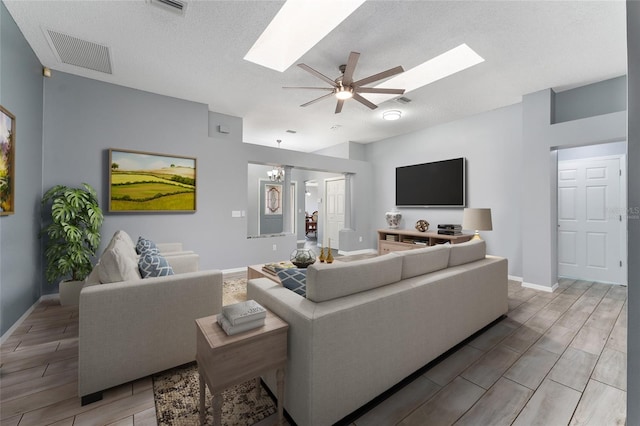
[[224, 361]]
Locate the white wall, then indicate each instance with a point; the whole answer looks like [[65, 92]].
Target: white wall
[[492, 145]]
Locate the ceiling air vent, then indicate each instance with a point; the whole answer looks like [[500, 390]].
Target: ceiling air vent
[[403, 100], [81, 53], [175, 6]]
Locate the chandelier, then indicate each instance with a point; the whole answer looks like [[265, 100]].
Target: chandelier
[[277, 173]]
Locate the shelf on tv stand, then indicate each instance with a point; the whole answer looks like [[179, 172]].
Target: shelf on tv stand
[[409, 240]]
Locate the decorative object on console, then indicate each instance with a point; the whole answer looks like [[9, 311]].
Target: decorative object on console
[[133, 176], [478, 220], [422, 225], [321, 258], [450, 229], [393, 218], [302, 257], [7, 161]]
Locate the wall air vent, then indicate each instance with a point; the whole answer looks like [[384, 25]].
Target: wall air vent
[[403, 100], [291, 131], [175, 6], [81, 53]]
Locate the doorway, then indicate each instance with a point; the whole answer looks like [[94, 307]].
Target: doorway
[[334, 211], [591, 224]]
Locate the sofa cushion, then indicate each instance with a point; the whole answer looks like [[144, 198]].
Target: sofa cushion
[[330, 281], [470, 251], [423, 260], [154, 265], [145, 245], [121, 235], [294, 279], [118, 263]]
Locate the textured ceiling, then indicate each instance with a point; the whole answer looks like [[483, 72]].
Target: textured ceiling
[[527, 46]]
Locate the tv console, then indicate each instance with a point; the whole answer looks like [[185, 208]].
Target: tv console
[[400, 239]]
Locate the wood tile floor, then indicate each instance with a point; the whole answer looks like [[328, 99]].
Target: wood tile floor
[[558, 359]]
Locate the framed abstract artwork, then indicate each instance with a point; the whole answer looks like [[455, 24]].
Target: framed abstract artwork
[[149, 182], [7, 161]]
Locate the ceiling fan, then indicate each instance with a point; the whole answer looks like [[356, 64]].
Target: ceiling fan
[[344, 87]]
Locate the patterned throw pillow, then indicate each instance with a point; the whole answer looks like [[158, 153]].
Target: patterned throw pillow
[[145, 246], [154, 265], [294, 279]]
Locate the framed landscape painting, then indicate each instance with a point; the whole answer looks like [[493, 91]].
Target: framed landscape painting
[[7, 161], [148, 182]]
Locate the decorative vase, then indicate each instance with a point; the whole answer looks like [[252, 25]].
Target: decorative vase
[[329, 258], [393, 219], [321, 257], [302, 258], [422, 225]]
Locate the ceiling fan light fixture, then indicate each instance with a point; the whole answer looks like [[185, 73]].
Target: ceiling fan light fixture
[[344, 93], [392, 115]]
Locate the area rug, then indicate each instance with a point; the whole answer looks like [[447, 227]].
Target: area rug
[[177, 397], [234, 291]]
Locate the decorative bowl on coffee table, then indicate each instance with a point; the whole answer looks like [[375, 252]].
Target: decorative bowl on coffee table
[[302, 257]]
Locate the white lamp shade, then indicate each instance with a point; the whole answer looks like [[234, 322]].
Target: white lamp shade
[[477, 219]]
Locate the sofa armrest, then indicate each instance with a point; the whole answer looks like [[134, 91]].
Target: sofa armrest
[[169, 248], [184, 263], [132, 329]]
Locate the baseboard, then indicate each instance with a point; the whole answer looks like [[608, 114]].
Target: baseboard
[[514, 278], [356, 252], [234, 270], [540, 287], [24, 316]]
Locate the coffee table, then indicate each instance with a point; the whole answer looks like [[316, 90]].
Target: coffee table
[[256, 271], [224, 361]]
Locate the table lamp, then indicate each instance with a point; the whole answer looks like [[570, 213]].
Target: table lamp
[[478, 220]]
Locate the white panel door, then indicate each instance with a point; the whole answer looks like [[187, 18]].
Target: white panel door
[[334, 211], [589, 226]]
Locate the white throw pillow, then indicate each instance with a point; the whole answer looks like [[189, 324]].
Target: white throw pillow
[[118, 263], [126, 239]]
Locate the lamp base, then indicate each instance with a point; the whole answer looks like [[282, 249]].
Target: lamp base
[[476, 236]]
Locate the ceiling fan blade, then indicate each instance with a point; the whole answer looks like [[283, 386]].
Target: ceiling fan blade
[[364, 101], [347, 77], [317, 99], [379, 76], [318, 74], [375, 90], [339, 106], [309, 88]]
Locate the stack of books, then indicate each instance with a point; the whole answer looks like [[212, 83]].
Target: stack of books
[[272, 268], [241, 317], [450, 229], [391, 237]]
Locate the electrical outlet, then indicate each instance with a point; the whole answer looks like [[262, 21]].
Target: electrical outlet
[[275, 247]]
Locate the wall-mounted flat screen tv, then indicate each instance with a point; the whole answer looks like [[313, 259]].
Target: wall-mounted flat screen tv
[[436, 184]]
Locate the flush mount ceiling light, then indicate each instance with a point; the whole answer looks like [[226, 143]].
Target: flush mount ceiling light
[[391, 115], [344, 92], [444, 65], [296, 28]]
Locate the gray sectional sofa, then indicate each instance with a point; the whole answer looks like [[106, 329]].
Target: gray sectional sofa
[[368, 324]]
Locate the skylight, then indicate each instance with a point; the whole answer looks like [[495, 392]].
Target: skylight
[[296, 28], [450, 62]]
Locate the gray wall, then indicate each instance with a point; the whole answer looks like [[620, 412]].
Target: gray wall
[[21, 93], [579, 103], [633, 334], [492, 145], [84, 118], [539, 176]]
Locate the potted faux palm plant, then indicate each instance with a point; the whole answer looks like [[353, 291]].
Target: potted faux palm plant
[[73, 237]]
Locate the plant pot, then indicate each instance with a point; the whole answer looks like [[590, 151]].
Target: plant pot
[[70, 292]]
